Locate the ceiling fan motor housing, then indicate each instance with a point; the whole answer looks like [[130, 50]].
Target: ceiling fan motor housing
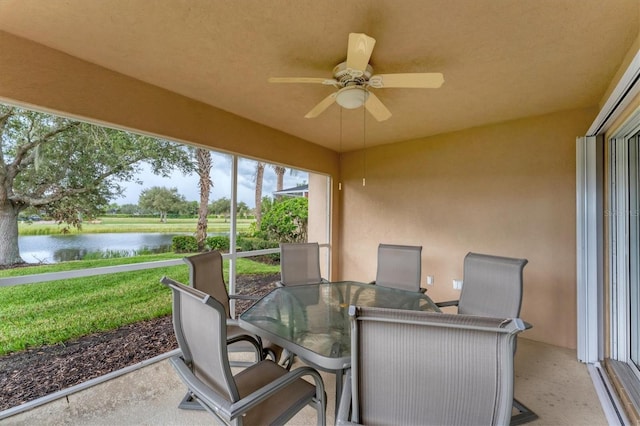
[[349, 77]]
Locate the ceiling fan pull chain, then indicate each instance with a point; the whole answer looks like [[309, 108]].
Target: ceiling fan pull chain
[[340, 153], [364, 146]]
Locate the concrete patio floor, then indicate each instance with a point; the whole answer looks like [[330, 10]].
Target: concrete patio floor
[[549, 380]]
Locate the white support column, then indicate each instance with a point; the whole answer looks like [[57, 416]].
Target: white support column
[[232, 232], [589, 219]]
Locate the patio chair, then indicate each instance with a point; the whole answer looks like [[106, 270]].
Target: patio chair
[[263, 393], [206, 274], [492, 286], [433, 368], [399, 267], [300, 264]]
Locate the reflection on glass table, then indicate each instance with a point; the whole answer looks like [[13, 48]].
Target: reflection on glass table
[[312, 321]]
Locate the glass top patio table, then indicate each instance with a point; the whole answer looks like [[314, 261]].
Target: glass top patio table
[[312, 320]]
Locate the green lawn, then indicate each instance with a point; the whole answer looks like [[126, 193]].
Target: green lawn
[[108, 224], [33, 315]]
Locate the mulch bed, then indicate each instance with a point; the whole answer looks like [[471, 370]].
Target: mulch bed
[[36, 372]]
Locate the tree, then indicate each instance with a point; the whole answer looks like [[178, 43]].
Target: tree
[[113, 208], [68, 169], [258, 197], [190, 208], [287, 221], [203, 168], [267, 203], [161, 200], [280, 171], [242, 209], [130, 209], [222, 206]]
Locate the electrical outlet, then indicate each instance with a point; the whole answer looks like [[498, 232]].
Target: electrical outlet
[[429, 279], [457, 284]]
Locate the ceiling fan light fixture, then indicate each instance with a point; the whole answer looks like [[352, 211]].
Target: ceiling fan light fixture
[[352, 97]]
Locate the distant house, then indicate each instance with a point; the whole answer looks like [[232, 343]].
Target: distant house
[[296, 191]]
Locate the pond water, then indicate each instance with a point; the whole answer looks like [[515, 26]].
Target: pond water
[[62, 248]]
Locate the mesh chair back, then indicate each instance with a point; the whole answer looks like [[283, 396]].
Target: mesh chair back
[[300, 263], [437, 369], [199, 322], [399, 266], [205, 274], [492, 286]]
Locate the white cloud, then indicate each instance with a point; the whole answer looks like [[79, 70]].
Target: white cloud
[[221, 177]]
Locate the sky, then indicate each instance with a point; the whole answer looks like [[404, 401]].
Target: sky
[[221, 177]]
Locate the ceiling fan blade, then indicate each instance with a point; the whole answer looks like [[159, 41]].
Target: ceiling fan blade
[[299, 80], [324, 104], [377, 108], [359, 51], [426, 80]]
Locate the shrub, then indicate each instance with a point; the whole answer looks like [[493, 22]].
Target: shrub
[[184, 244], [246, 243], [287, 220], [188, 243], [218, 242]]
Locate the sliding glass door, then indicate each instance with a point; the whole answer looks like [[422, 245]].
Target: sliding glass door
[[624, 242]]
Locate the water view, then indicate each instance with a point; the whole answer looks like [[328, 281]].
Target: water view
[[62, 248]]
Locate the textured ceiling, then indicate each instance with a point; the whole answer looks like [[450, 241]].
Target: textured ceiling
[[501, 59]]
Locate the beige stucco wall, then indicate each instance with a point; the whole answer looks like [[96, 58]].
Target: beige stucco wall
[[32, 74], [506, 189], [622, 68]]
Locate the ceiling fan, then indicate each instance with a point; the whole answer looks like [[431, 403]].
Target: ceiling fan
[[354, 77]]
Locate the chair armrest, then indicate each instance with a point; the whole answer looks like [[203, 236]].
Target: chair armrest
[[259, 395], [280, 284], [227, 411], [244, 297], [254, 340], [447, 303], [202, 391], [421, 289], [246, 338]]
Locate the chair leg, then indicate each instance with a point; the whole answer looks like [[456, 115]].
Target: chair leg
[[269, 353], [525, 415], [190, 403], [287, 359]]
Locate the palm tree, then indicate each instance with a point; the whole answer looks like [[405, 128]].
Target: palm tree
[[280, 171], [258, 199], [203, 168]]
